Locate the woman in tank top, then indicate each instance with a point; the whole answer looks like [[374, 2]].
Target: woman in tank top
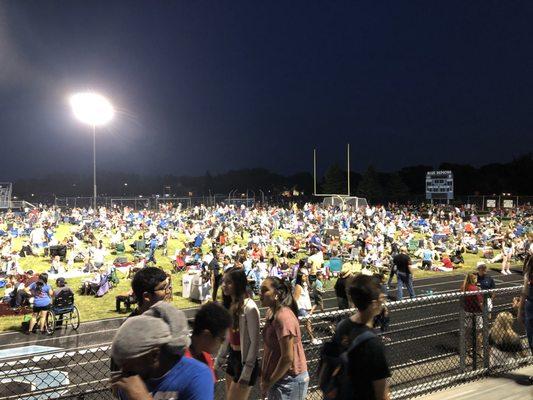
[[303, 301]]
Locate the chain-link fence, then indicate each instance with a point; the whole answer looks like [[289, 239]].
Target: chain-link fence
[[431, 342]]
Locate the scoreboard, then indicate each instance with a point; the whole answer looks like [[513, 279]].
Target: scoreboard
[[439, 185]]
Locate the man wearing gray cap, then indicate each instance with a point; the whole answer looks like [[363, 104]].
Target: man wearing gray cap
[[149, 350]]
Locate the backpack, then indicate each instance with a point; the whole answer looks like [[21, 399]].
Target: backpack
[[333, 367]]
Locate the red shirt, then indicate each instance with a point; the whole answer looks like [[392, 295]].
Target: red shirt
[[206, 359], [473, 302], [447, 262]]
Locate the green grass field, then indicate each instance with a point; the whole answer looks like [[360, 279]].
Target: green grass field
[[92, 308]]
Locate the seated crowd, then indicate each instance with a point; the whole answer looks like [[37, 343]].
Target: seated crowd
[[283, 257]]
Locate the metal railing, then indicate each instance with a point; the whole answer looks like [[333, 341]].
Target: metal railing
[[431, 342]]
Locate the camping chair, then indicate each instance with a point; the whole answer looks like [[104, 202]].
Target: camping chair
[[97, 290], [413, 245], [105, 285], [120, 248], [179, 264], [113, 278]]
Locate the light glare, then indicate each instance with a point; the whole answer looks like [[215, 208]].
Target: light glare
[[92, 108]]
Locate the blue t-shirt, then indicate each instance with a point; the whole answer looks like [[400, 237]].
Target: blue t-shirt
[[189, 379], [42, 297], [428, 255], [335, 264]]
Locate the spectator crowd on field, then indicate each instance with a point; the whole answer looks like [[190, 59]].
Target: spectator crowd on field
[[283, 256]]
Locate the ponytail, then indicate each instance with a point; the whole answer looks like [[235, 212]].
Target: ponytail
[[283, 288], [39, 287]]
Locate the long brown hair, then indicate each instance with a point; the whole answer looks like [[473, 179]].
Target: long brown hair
[[470, 279], [283, 289], [240, 284], [502, 329]]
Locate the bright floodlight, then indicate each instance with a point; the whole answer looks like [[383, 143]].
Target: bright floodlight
[[92, 108]]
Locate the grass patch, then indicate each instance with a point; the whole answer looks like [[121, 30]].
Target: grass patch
[[92, 308]]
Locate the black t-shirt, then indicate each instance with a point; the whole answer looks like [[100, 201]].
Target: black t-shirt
[[367, 362], [485, 282], [215, 267], [340, 288], [402, 262]]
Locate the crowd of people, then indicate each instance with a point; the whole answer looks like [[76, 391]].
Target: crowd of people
[[282, 256], [266, 241]]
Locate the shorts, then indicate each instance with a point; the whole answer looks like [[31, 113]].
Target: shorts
[[37, 309], [302, 312], [319, 302], [234, 367], [470, 317]]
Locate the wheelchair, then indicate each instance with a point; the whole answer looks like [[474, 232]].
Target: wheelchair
[[62, 313]]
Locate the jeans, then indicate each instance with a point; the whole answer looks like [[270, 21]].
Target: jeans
[[407, 280], [393, 271], [290, 388]]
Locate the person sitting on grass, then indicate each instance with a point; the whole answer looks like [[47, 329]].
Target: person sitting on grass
[[15, 294], [447, 265], [210, 328], [89, 286]]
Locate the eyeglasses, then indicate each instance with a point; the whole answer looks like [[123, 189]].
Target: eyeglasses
[[165, 288], [219, 337]]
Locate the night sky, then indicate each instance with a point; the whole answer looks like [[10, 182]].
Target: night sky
[[220, 85]]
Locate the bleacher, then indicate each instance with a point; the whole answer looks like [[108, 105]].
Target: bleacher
[[5, 195]]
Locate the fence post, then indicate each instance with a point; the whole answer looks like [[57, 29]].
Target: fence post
[[485, 332], [462, 335], [474, 341]]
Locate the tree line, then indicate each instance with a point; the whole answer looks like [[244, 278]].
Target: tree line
[[513, 177]]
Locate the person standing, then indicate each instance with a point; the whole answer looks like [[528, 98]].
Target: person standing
[[303, 301], [485, 282], [368, 369], [153, 247], [211, 325], [284, 373], [405, 274], [507, 255], [42, 299], [216, 275], [525, 308], [318, 293], [340, 289], [242, 345]]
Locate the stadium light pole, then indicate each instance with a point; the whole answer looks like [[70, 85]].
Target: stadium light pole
[[94, 110]]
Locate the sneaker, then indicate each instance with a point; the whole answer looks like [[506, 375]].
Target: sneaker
[[316, 341]]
